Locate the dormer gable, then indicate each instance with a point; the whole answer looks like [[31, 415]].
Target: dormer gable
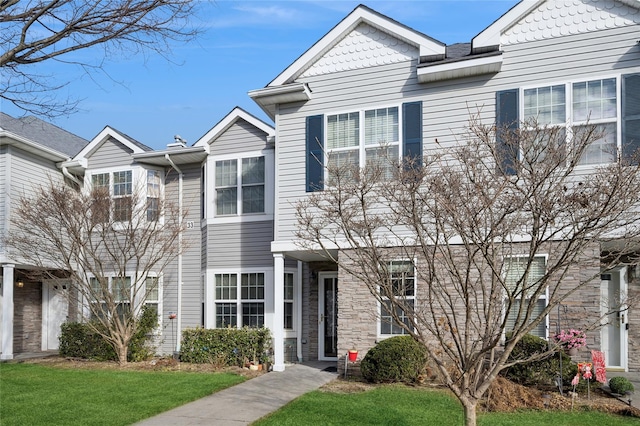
[[109, 135], [235, 115], [543, 19], [353, 42]]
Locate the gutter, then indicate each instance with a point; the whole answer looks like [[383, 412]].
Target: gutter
[[179, 298]]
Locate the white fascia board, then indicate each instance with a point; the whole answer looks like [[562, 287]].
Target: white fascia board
[[103, 136], [458, 69], [10, 138], [490, 36], [233, 116], [267, 98], [426, 45]]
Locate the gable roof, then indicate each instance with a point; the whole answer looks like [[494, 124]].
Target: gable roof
[[106, 133], [489, 38], [426, 45], [231, 118], [36, 132]]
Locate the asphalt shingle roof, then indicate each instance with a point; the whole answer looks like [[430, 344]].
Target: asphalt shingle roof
[[43, 133]]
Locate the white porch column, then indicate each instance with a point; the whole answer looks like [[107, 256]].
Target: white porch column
[[6, 348], [278, 312]]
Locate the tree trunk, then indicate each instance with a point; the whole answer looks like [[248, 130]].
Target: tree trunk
[[469, 412], [121, 351]]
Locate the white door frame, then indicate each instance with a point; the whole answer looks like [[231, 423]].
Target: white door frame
[[321, 314], [616, 321]]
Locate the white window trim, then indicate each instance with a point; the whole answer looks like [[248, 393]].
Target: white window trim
[[210, 211], [141, 284], [361, 135], [212, 301], [292, 332], [545, 296], [138, 183], [569, 123], [381, 336]]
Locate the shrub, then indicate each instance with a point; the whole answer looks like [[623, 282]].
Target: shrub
[[620, 385], [226, 346], [396, 359], [79, 340], [541, 372]]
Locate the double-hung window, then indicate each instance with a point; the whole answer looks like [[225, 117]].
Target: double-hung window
[[122, 195], [575, 105], [521, 289], [399, 298], [153, 195], [240, 190], [239, 299], [349, 143]]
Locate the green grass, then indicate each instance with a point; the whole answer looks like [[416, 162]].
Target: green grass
[[32, 394], [393, 405]]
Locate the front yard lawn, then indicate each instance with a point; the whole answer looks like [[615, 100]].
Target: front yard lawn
[[32, 394], [396, 405]]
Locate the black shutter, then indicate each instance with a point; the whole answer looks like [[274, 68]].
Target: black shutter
[[412, 131], [507, 121], [630, 118], [315, 153]]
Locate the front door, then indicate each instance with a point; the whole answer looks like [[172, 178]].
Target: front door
[[615, 319], [328, 316], [55, 308]]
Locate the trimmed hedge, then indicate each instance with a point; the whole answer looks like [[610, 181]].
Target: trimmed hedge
[[396, 359], [79, 340], [226, 346], [542, 372], [620, 385]]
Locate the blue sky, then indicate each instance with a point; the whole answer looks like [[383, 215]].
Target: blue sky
[[245, 44]]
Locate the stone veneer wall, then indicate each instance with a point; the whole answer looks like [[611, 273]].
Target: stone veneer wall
[[358, 310], [27, 318]]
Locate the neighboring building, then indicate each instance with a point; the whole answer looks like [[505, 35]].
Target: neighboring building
[[31, 155], [560, 61]]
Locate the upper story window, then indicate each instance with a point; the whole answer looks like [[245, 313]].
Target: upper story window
[[574, 105], [114, 196], [402, 278], [153, 195], [240, 190], [377, 141]]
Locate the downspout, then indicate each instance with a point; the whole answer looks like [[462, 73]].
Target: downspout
[[299, 311], [72, 178], [179, 299]]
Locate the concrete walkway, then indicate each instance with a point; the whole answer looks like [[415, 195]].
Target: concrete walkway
[[250, 400]]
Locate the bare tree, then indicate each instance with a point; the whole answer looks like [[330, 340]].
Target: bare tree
[[112, 250], [475, 218], [52, 30]]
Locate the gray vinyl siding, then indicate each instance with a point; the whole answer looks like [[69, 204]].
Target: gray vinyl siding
[[446, 104], [239, 245], [239, 138], [4, 170], [28, 174], [110, 153]]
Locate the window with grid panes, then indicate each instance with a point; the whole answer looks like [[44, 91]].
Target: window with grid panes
[[402, 280], [592, 102], [122, 191], [252, 299], [153, 195], [288, 301], [226, 300], [515, 268]]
